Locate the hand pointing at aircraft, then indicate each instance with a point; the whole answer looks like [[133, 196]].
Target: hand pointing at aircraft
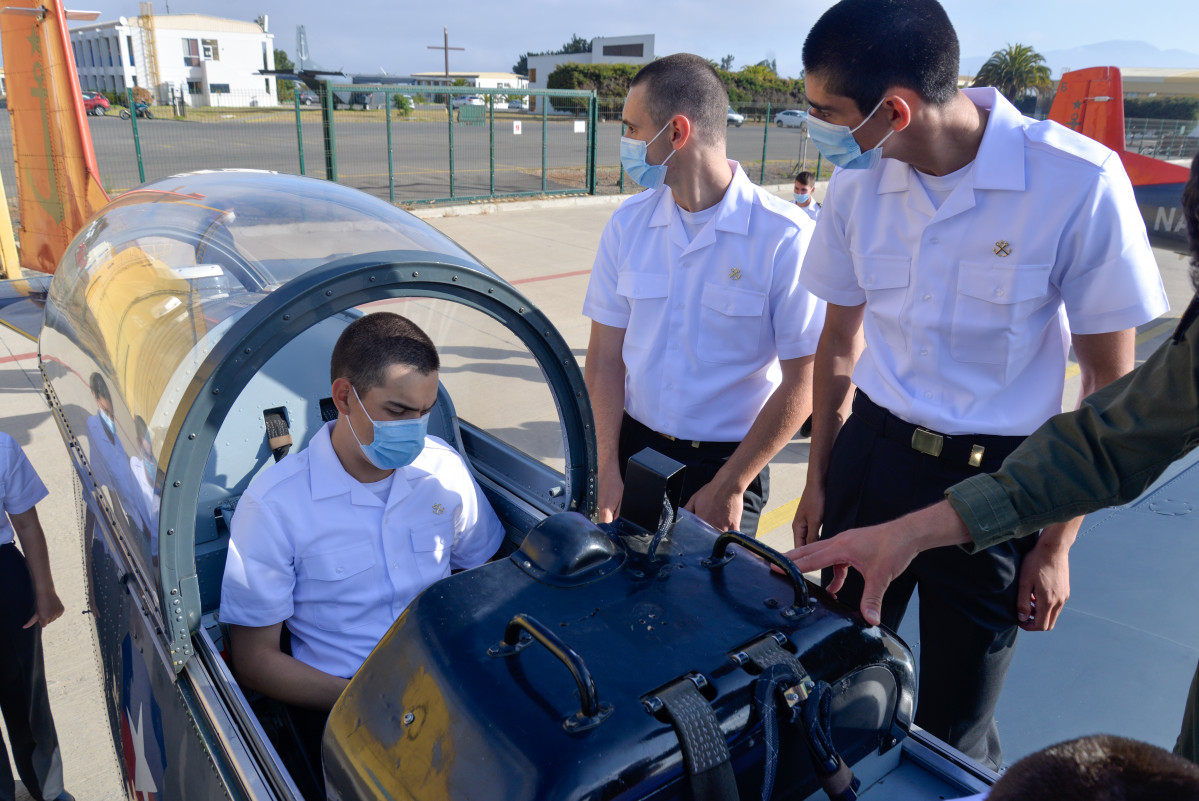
[[880, 553]]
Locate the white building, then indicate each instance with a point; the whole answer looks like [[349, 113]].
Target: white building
[[604, 50], [209, 60], [479, 80]]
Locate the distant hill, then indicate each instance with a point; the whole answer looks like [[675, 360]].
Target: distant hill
[[1114, 53]]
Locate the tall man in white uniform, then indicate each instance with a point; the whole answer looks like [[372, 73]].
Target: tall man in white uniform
[[336, 540], [701, 339], [960, 253]]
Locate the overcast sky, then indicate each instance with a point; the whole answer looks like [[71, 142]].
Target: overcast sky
[[393, 36]]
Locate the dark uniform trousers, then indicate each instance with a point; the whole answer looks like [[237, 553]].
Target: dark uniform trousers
[[968, 621], [24, 700], [702, 459]]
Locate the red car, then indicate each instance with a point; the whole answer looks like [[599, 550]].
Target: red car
[[95, 103]]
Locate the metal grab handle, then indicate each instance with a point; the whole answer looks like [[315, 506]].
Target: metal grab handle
[[721, 555], [592, 711]]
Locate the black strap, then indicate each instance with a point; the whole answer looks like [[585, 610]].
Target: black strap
[[705, 752], [806, 704]]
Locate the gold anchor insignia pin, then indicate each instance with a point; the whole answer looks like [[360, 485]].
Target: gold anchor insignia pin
[[438, 508], [1003, 248], [735, 273]]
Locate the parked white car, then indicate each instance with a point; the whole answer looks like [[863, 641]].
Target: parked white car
[[469, 100], [735, 118], [790, 118]]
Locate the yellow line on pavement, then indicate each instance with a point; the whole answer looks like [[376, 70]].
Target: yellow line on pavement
[[1162, 327], [777, 517]]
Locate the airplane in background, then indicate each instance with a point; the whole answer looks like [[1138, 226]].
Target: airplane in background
[[1091, 101]]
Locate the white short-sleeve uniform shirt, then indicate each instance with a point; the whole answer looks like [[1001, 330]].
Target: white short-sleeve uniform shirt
[[812, 210], [312, 546], [708, 317], [20, 486], [967, 304]]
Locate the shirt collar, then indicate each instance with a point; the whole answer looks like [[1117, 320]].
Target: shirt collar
[[733, 210], [999, 163], [328, 478]]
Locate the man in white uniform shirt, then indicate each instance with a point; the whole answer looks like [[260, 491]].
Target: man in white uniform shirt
[[336, 540], [805, 185], [701, 337], [959, 255]]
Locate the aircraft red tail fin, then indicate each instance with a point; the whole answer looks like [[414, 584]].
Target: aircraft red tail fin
[[1091, 101], [57, 176]]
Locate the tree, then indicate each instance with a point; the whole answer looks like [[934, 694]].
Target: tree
[[726, 63], [769, 64], [285, 90], [577, 44], [1014, 71], [403, 105]]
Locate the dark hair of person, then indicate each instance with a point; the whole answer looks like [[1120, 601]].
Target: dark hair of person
[[806, 178], [1101, 767], [375, 342], [861, 49], [686, 84], [1190, 211], [100, 388]]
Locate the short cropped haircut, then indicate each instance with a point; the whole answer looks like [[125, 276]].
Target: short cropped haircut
[[806, 178], [862, 48], [688, 85], [1101, 767], [100, 388], [375, 342]]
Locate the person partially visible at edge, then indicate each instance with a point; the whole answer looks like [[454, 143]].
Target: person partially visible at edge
[[972, 247], [701, 337], [805, 185], [1105, 454], [28, 603], [333, 542], [1100, 767]]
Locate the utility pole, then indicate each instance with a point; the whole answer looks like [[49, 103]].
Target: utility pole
[[446, 47]]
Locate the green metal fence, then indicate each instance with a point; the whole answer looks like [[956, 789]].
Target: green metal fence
[[415, 145], [1162, 139], [420, 144]]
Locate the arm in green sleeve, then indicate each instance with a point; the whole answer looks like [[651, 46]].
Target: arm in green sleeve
[[1122, 438]]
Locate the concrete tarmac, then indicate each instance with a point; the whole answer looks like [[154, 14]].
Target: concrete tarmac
[[546, 249]]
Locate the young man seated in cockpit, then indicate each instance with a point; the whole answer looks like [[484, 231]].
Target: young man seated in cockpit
[[336, 540]]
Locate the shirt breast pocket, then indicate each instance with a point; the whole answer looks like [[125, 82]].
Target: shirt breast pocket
[[432, 544], [731, 322], [993, 307], [885, 280], [334, 603], [646, 295]]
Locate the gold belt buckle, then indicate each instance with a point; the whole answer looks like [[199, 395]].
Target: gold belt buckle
[[976, 455], [927, 442]]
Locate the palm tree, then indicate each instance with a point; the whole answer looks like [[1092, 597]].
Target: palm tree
[[1013, 71]]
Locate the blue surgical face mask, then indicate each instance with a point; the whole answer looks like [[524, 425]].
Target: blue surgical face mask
[[109, 425], [396, 444], [801, 198], [632, 158], [836, 143]]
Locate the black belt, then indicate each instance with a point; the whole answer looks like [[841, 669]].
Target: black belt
[[974, 450], [722, 449]]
